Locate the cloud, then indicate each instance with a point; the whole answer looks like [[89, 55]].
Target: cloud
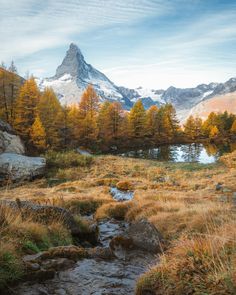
[[28, 26], [200, 50], [153, 43]]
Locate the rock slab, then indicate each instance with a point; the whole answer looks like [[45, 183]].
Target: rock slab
[[16, 167], [9, 142]]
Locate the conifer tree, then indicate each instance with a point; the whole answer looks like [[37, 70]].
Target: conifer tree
[[173, 124], [189, 127], [152, 123], [89, 103], [211, 121], [214, 132], [114, 119], [233, 128], [26, 108], [51, 116], [192, 127], [73, 121], [137, 120], [88, 109], [103, 120], [198, 127], [168, 123], [38, 135]]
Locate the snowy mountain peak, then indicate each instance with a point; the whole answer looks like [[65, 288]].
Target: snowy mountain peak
[[75, 74], [73, 63]]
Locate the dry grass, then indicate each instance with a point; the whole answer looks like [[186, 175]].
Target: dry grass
[[113, 210], [23, 236], [198, 265], [181, 200]]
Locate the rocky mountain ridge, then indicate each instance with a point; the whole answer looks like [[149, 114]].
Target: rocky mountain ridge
[[75, 74]]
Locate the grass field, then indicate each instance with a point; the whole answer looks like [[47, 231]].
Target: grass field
[[181, 200]]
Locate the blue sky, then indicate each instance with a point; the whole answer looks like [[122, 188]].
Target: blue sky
[[150, 43]]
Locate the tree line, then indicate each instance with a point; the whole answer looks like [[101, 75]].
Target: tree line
[[43, 123]]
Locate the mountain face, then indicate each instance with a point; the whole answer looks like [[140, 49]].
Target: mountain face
[[75, 74]]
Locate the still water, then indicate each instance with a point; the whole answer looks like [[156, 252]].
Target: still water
[[194, 152]]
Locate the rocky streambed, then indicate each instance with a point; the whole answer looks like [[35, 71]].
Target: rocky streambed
[[111, 268]]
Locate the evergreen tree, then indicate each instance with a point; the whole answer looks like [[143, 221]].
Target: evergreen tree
[[38, 135], [26, 108], [137, 120], [12, 68]]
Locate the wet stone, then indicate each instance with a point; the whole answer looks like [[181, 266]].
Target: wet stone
[[120, 195]]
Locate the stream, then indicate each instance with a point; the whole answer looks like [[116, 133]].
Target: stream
[[97, 276]]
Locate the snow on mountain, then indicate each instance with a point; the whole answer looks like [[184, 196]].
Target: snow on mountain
[[75, 74], [155, 95]]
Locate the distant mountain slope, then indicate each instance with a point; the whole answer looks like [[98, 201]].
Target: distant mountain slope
[[221, 103], [74, 74]]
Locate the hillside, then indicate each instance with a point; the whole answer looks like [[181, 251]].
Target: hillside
[[226, 102]]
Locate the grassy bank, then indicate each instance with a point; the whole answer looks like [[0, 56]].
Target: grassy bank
[[181, 200]]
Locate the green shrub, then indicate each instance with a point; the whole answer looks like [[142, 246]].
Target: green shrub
[[11, 268], [29, 245], [67, 159]]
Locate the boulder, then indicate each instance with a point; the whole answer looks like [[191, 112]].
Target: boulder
[[6, 127], [9, 142], [145, 236], [16, 167]]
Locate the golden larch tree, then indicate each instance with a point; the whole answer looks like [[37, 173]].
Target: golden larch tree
[[137, 120], [51, 116], [152, 121], [88, 108], [26, 108], [38, 135], [233, 128]]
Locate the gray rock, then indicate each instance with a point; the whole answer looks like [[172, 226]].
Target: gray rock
[[145, 236], [19, 168], [226, 190], [219, 186], [6, 127], [9, 142], [83, 152], [57, 264]]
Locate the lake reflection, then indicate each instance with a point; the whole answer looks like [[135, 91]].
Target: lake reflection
[[193, 152]]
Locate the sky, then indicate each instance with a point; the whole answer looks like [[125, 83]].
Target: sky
[[149, 43]]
